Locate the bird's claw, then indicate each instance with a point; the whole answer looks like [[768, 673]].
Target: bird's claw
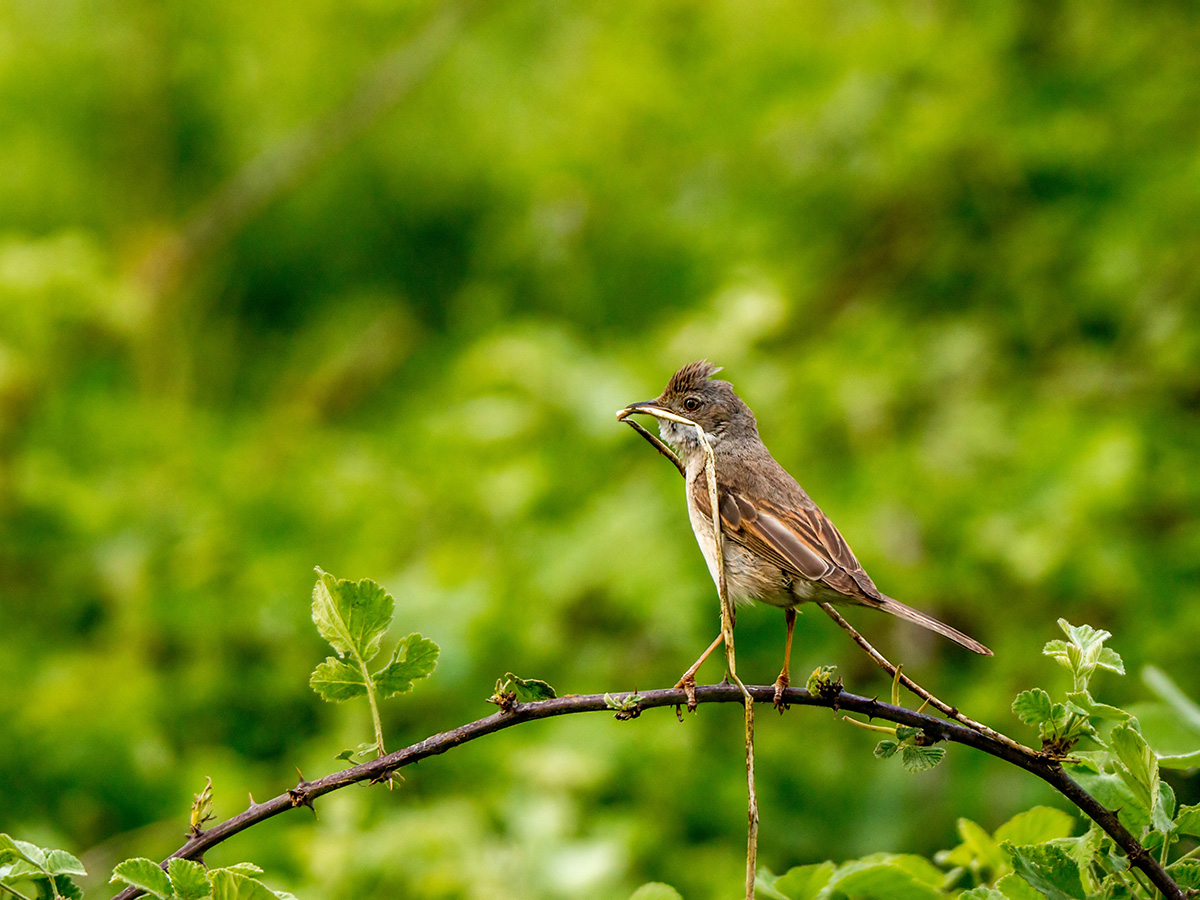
[[781, 685], [688, 683]]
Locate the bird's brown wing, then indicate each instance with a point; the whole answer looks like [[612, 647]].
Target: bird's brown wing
[[799, 540]]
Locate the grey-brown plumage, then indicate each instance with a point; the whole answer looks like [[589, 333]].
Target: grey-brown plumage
[[779, 548]]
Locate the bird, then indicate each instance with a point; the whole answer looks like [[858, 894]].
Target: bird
[[779, 547]]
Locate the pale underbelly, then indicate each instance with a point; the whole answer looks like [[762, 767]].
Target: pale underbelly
[[749, 578]]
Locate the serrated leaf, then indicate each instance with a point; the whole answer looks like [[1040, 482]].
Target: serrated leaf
[[1110, 659], [656, 890], [247, 868], [145, 875], [1036, 826], [352, 615], [1083, 701], [981, 893], [1083, 849], [805, 882], [1187, 821], [885, 876], [414, 657], [1162, 817], [60, 862], [1184, 761], [529, 690], [67, 889], [1046, 868], [1186, 873], [1033, 707], [920, 759], [886, 748], [12, 848], [1083, 652], [1112, 791], [1139, 765], [905, 732], [337, 681], [189, 879], [229, 884], [1013, 887], [978, 851]]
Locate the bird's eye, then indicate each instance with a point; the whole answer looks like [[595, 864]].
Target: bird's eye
[[691, 404]]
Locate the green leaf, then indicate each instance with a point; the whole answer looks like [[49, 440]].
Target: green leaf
[[1186, 873], [337, 681], [886, 748], [1083, 849], [246, 868], [12, 848], [1048, 869], [1036, 826], [1014, 887], [414, 657], [805, 882], [229, 884], [346, 755], [1184, 761], [1188, 820], [1112, 791], [189, 879], [656, 890], [352, 615], [978, 852], [528, 690], [1110, 659], [1139, 765], [145, 875], [1083, 652], [67, 889], [906, 732], [885, 876], [1083, 701], [1033, 707], [1170, 734], [919, 759], [60, 862], [981, 893]]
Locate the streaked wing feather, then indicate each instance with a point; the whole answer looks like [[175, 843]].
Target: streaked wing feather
[[800, 541]]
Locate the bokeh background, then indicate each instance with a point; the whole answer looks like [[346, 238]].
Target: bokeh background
[[360, 284]]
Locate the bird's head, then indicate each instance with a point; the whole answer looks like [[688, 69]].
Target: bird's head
[[694, 395]]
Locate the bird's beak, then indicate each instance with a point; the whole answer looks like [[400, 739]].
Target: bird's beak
[[649, 407]]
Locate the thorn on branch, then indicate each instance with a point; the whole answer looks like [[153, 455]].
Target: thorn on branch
[[299, 795]]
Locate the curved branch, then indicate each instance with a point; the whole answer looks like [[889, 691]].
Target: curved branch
[[951, 711], [935, 729]]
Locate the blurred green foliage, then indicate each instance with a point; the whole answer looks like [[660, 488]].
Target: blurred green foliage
[[946, 252]]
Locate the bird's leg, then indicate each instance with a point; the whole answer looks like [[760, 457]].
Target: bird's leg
[[688, 680], [782, 682]]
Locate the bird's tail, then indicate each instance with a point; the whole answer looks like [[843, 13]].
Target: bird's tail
[[896, 608]]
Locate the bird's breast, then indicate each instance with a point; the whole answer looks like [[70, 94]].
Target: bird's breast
[[747, 577]]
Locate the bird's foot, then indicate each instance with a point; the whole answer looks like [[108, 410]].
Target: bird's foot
[[781, 685], [688, 683]]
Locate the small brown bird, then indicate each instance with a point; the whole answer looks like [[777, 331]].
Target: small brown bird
[[779, 547]]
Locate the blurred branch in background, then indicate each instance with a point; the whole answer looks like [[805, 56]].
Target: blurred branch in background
[[280, 168]]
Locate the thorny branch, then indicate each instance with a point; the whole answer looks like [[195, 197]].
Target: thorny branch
[[935, 729]]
